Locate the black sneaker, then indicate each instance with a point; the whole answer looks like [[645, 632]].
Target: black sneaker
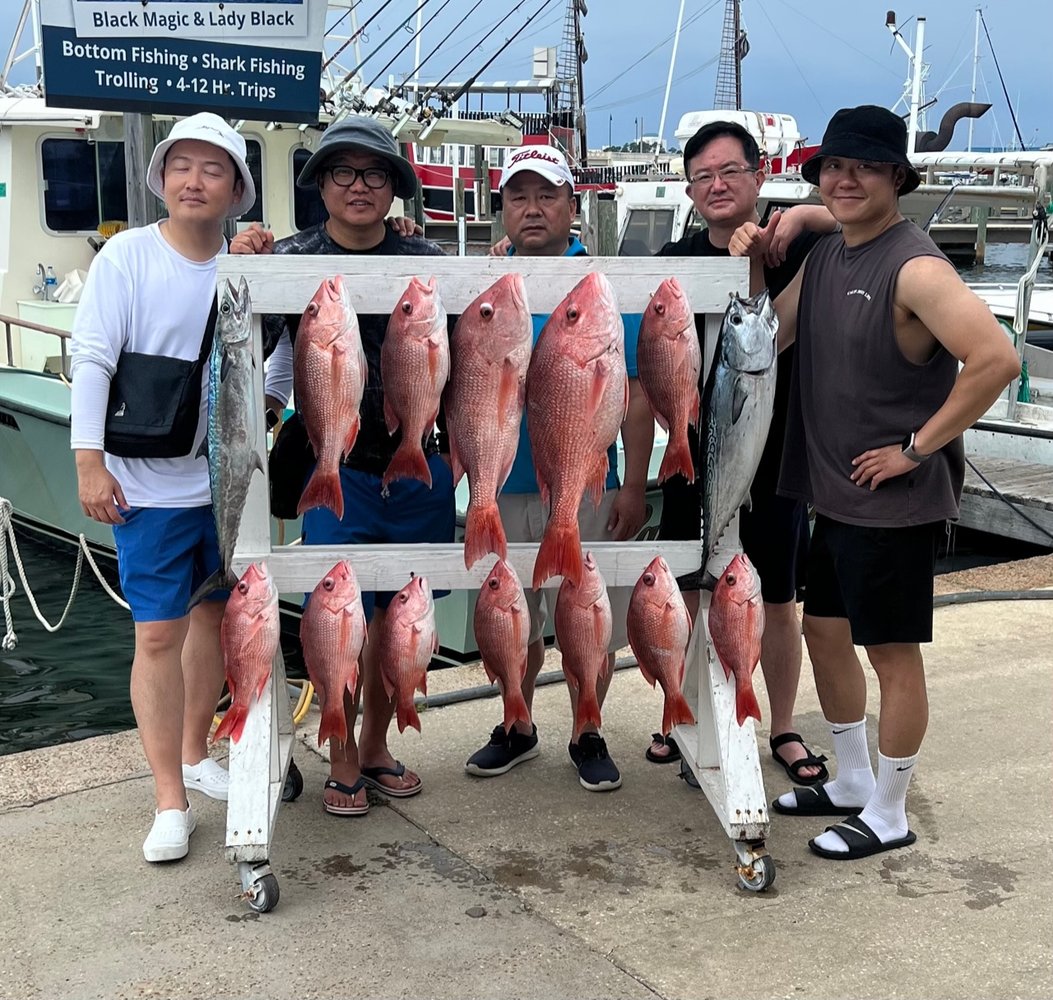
[[596, 771], [502, 753]]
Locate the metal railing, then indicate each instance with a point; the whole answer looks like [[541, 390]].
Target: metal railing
[[10, 321]]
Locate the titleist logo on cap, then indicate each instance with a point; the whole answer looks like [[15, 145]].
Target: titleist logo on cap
[[534, 154]]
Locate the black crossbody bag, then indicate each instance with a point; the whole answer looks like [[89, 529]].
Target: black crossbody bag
[[155, 402]]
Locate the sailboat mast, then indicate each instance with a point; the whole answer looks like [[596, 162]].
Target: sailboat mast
[[669, 80], [976, 63], [733, 49]]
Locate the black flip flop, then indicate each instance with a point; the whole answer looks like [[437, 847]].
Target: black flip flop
[[794, 769], [349, 790], [371, 776], [669, 758], [813, 801], [861, 840]]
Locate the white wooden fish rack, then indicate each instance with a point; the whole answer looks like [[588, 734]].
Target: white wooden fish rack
[[720, 754]]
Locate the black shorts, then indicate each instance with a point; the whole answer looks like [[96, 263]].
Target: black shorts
[[774, 535], [880, 579]]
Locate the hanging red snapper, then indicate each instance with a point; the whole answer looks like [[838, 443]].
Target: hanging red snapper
[[577, 395], [414, 367], [249, 636], [659, 629], [490, 351], [669, 359], [736, 624], [329, 379], [502, 628], [583, 631], [332, 633], [405, 644]]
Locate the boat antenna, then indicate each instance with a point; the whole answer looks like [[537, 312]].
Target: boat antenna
[[669, 81], [1001, 80], [414, 37]]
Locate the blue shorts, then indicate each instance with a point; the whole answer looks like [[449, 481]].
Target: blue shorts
[[163, 555], [410, 513]]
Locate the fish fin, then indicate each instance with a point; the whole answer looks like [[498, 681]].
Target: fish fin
[[323, 490], [408, 462], [601, 372], [216, 581], [434, 356], [515, 709], [676, 712], [264, 680], [334, 721], [694, 413], [598, 628], [202, 449], [588, 709], [542, 487], [406, 715], [559, 554], [738, 401], [625, 406], [508, 389], [677, 459], [257, 463], [389, 688], [746, 702], [597, 483], [456, 465], [647, 674], [662, 422], [491, 676], [483, 533], [391, 418], [233, 724], [748, 502], [224, 366], [352, 436]]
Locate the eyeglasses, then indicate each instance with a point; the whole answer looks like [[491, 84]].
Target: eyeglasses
[[729, 175], [373, 177]]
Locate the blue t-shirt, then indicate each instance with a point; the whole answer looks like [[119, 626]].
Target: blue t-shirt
[[522, 478]]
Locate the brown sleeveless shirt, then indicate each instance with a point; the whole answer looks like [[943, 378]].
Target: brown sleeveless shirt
[[853, 389]]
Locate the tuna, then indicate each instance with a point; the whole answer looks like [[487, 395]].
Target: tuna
[[414, 367], [406, 641], [502, 628], [233, 426], [669, 358], [332, 633], [736, 624], [490, 351], [583, 631], [329, 379], [249, 635], [740, 396], [577, 396], [659, 629]]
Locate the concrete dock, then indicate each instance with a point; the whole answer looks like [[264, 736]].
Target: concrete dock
[[527, 886]]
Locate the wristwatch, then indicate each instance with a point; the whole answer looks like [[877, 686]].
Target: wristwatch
[[908, 449], [272, 419]]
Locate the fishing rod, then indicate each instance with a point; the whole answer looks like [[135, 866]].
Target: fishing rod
[[413, 38], [508, 41], [357, 34]]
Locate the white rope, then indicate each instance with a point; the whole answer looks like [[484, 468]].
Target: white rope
[[7, 536]]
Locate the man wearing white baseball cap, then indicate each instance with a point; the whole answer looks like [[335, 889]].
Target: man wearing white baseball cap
[[140, 339], [537, 200]]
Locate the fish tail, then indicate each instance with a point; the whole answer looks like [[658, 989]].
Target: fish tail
[[406, 714], [559, 553], [676, 712], [216, 581], [334, 721], [233, 723], [515, 709], [408, 462], [323, 490], [588, 708], [677, 458], [483, 533], [745, 702]]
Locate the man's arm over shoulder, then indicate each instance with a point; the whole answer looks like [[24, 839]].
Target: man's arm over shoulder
[[419, 246]]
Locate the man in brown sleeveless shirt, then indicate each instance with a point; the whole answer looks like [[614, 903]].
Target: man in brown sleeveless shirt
[[874, 441]]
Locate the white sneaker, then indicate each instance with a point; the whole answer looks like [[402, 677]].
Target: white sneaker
[[208, 777], [169, 837]]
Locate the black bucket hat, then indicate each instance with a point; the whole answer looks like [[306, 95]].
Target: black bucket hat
[[361, 134], [868, 132]]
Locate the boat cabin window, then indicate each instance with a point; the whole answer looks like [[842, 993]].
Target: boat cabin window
[[496, 157], [695, 223], [647, 230], [308, 209], [83, 184], [254, 161]]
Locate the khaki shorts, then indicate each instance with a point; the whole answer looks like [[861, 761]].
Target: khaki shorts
[[524, 517]]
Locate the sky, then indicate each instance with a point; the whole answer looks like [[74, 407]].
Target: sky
[[806, 59]]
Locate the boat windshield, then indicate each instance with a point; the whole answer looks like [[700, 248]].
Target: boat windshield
[[646, 231]]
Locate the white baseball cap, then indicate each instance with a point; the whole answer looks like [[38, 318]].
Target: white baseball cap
[[547, 161], [206, 127]]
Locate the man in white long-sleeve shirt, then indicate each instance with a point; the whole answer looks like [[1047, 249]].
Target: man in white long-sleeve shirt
[[149, 292]]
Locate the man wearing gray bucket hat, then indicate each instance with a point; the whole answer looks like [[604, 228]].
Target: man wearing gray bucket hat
[[358, 171], [141, 334], [878, 406]]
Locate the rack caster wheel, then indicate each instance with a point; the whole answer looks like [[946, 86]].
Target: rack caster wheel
[[260, 886], [293, 783], [755, 867]]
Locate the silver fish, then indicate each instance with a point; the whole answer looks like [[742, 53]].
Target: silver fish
[[738, 411], [233, 422]]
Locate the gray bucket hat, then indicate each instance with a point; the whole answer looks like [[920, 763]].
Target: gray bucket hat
[[361, 134]]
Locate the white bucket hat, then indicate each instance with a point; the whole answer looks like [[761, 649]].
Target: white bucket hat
[[206, 127], [547, 161]]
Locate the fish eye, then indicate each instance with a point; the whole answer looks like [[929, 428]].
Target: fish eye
[[572, 312], [486, 310], [731, 579], [737, 320], [407, 307], [225, 308], [328, 583], [243, 587], [312, 309], [659, 307], [403, 598], [494, 584], [648, 579]]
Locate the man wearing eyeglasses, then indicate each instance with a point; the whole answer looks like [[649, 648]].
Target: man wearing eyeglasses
[[723, 166], [359, 172]]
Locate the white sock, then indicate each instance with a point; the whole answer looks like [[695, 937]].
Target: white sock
[[886, 809], [854, 783]]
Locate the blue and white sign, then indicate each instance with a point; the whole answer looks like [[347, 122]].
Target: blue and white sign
[[227, 66]]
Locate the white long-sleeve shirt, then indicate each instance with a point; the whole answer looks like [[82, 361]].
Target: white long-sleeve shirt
[[141, 296]]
